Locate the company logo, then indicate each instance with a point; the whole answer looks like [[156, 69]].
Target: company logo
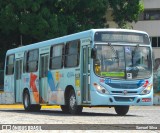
[[125, 92], [21, 127], [6, 127]]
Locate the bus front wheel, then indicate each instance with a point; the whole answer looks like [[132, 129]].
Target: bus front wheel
[[73, 107], [65, 108], [121, 110]]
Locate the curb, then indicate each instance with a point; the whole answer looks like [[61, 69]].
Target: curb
[[9, 106]]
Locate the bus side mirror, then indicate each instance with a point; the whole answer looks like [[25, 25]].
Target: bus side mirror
[[93, 53]]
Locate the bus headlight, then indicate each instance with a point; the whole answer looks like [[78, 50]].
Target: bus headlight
[[147, 90], [100, 89]]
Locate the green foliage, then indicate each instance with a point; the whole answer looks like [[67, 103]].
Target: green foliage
[[38, 20], [125, 11], [78, 15]]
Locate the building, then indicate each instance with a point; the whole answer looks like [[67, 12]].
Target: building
[[149, 21]]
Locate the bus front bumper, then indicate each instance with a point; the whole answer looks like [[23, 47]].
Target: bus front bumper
[[137, 100]]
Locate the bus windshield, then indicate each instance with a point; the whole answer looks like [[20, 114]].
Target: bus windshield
[[130, 62]]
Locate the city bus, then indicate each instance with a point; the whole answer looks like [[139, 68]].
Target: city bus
[[93, 68]]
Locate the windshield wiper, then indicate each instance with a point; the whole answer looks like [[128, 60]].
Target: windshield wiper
[[114, 51], [136, 48], [134, 52]]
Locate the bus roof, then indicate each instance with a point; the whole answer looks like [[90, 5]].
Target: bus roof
[[75, 36]]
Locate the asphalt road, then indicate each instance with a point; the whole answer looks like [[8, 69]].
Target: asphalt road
[[100, 116]]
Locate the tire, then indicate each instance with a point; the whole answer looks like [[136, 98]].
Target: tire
[[65, 108], [121, 110], [35, 108], [73, 107], [26, 101]]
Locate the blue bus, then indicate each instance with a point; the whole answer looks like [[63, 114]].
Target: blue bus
[[97, 67]]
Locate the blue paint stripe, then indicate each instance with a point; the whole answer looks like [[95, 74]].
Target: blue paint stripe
[[51, 81]]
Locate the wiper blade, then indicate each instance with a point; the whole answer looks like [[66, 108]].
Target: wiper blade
[[134, 52], [114, 51], [136, 48]]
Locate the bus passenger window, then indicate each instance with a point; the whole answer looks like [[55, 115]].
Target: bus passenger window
[[72, 54], [56, 57], [10, 65], [32, 61]]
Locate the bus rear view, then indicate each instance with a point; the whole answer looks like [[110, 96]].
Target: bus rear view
[[122, 69]]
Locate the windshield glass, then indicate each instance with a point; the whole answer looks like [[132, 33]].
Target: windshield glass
[[129, 62]]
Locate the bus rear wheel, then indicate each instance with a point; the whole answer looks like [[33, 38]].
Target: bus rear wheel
[[36, 107], [121, 110], [73, 107], [26, 101], [27, 104]]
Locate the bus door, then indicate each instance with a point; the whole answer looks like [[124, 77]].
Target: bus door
[[18, 80], [43, 86], [85, 74]]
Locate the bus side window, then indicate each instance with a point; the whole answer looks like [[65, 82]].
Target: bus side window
[[10, 65], [32, 61], [72, 53], [56, 57]]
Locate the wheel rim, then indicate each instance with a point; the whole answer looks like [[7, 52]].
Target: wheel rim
[[26, 100], [72, 101]]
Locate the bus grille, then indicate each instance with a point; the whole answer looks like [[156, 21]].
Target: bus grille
[[124, 99], [124, 86], [122, 92]]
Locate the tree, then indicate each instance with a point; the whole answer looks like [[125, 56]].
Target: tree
[[30, 21], [125, 11], [81, 15], [45, 19], [34, 21]]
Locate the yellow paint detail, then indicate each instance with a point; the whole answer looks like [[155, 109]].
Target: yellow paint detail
[[77, 83], [77, 80], [97, 69], [57, 76]]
